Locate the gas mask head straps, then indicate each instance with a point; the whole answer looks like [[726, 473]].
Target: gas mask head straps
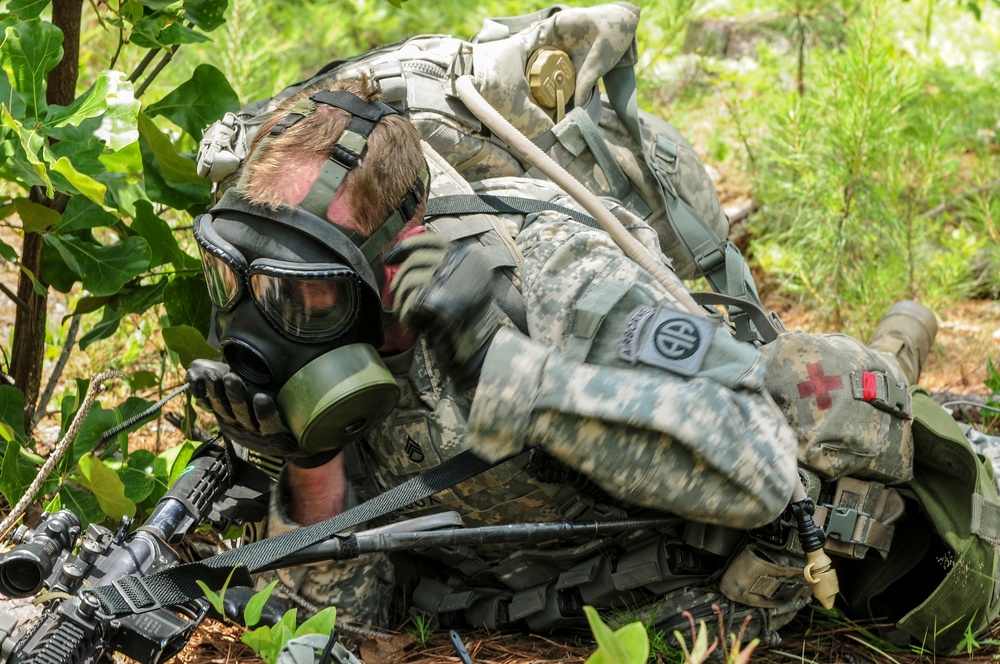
[[345, 154]]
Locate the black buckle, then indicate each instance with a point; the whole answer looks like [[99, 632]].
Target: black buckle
[[126, 587]]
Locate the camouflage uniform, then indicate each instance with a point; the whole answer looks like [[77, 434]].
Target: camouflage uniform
[[613, 434]]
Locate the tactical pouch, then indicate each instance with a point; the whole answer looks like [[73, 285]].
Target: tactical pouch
[[848, 405], [859, 518], [765, 578]]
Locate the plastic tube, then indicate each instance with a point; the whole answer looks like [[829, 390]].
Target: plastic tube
[[489, 116]]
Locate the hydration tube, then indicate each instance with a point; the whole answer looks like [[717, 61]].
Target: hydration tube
[[819, 571], [489, 116]]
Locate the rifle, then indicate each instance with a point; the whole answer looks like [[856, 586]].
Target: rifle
[[216, 488]]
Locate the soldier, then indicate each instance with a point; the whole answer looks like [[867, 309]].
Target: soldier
[[612, 401]]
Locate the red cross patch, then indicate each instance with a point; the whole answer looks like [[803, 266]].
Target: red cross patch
[[819, 386]]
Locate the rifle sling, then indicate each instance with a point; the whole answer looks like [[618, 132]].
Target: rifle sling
[[137, 593]]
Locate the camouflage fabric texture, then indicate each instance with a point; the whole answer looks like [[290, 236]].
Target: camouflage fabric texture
[[627, 434], [848, 404], [591, 142]]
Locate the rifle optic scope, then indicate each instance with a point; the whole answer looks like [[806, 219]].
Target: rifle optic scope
[[24, 568]]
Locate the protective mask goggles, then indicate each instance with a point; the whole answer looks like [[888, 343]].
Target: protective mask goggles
[[309, 303], [308, 328]]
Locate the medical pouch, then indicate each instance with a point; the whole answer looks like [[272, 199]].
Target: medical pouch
[[848, 405]]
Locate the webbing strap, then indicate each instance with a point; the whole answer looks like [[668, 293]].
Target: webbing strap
[[985, 519], [768, 325], [618, 184], [718, 259], [137, 593], [486, 204]]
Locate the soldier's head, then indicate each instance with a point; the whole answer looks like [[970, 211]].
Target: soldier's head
[[292, 254], [298, 139]]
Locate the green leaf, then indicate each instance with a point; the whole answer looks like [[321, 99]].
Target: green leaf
[[103, 269], [188, 343], [216, 600], [87, 304], [12, 411], [16, 472], [609, 649], [127, 159], [110, 87], [138, 477], [82, 213], [129, 409], [213, 598], [82, 502], [119, 124], [206, 14], [139, 299], [34, 172], [95, 425], [178, 33], [285, 628], [321, 623], [106, 486], [29, 52], [175, 168], [169, 178], [186, 301], [35, 283], [142, 379], [108, 326], [26, 9], [199, 101], [84, 184], [35, 217], [53, 505], [255, 606], [81, 148], [161, 239], [263, 643], [7, 252], [171, 463]]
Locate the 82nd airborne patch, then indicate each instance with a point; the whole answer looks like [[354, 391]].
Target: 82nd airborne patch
[[667, 339]]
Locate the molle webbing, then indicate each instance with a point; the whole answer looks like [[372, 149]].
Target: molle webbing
[[859, 518]]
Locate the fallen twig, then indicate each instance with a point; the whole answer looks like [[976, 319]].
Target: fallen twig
[[96, 387]]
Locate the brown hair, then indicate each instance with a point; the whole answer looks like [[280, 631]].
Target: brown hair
[[388, 168]]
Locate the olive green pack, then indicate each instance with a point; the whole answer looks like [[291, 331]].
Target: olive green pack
[[937, 585]]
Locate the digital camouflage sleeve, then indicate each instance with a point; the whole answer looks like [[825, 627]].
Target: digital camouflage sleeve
[[660, 408]]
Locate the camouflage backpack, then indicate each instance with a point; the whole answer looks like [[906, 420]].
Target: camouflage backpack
[[552, 97]]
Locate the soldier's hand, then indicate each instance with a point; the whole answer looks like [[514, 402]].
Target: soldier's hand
[[444, 292], [248, 417]]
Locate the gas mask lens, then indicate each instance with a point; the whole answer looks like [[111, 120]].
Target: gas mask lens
[[311, 305], [312, 302]]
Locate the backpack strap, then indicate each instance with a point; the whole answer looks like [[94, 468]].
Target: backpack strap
[[718, 260]]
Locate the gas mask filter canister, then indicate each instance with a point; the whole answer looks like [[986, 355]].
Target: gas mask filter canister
[[338, 397]]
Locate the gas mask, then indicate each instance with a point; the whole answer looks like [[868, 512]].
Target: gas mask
[[298, 312], [297, 299]]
